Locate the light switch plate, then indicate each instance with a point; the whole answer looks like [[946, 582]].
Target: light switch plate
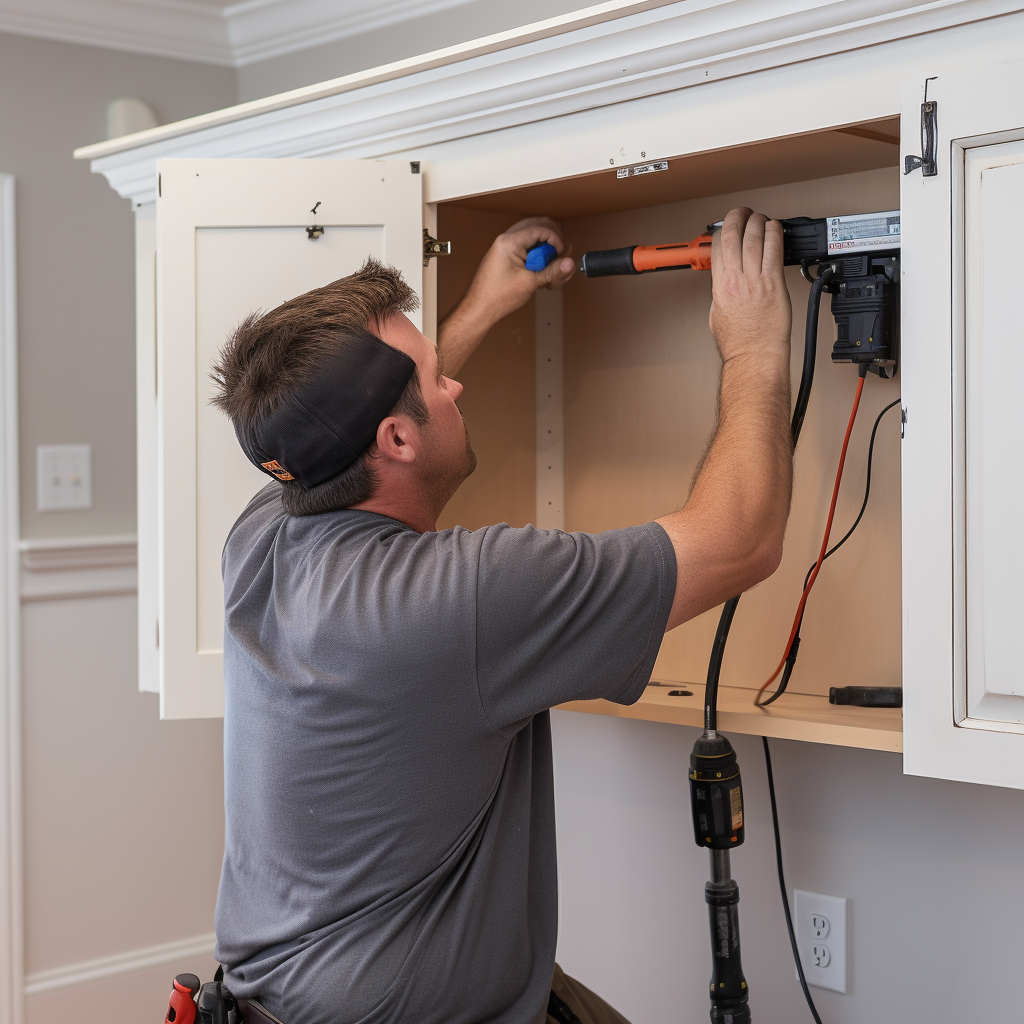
[[820, 922], [63, 476]]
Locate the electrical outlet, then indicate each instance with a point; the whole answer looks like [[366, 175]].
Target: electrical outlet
[[821, 937], [63, 476]]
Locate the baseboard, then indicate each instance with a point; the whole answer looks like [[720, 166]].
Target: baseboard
[[168, 954], [54, 568]]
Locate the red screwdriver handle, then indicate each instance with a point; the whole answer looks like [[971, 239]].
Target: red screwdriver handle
[[181, 1007]]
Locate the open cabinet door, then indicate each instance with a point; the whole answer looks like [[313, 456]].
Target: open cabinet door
[[234, 236], [963, 471]]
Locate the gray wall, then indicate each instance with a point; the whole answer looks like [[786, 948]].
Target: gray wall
[[75, 245], [371, 49], [932, 870], [111, 865]]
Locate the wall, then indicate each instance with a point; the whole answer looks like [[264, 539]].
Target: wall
[[458, 24], [931, 869], [123, 821], [75, 259]]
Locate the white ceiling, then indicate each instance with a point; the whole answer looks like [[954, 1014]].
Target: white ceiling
[[212, 31]]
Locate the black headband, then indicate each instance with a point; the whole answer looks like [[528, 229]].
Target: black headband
[[333, 418]]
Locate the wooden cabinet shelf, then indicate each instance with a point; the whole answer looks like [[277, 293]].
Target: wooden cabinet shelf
[[796, 716]]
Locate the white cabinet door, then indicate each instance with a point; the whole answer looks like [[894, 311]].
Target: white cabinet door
[[963, 459], [232, 238]]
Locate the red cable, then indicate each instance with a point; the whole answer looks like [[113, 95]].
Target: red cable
[[824, 543]]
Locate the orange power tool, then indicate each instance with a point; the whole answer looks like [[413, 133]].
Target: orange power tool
[[642, 259]]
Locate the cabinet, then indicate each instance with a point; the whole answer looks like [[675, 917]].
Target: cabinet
[[590, 409]]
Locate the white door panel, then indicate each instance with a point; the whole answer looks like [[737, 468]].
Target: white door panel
[[963, 472], [232, 240], [994, 367]]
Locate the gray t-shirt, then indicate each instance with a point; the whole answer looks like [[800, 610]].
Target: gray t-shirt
[[390, 849]]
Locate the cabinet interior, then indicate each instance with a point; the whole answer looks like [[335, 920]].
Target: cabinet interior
[[640, 380]]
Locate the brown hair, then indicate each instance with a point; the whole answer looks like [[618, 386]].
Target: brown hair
[[270, 356]]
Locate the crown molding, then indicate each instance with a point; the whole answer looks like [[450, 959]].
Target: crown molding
[[232, 36], [160, 28], [261, 29], [544, 71]]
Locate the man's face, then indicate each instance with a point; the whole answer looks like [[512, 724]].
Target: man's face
[[445, 455]]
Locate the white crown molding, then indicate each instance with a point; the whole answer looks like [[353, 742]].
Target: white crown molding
[[518, 78], [167, 954], [162, 28], [55, 568], [232, 36], [261, 29]]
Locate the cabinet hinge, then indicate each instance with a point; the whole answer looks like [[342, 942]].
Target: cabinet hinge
[[160, 185], [432, 247], [929, 139]]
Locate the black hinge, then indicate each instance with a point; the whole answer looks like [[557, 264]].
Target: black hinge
[[160, 185], [929, 139]]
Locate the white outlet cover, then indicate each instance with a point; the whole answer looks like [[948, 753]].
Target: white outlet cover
[[809, 910], [63, 476]]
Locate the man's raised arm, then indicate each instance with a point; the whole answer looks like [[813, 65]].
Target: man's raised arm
[[728, 537], [500, 286]]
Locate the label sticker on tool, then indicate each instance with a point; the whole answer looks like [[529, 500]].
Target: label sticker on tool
[[736, 802], [863, 232]]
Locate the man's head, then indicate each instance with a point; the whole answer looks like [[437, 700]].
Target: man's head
[[316, 360]]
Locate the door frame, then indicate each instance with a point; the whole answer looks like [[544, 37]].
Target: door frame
[[12, 945]]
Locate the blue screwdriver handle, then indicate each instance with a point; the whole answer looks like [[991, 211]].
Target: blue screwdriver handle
[[540, 256]]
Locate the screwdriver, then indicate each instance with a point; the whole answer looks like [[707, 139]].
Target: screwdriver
[[642, 259]]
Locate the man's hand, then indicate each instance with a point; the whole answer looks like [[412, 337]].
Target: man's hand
[[501, 285], [750, 307], [728, 537]]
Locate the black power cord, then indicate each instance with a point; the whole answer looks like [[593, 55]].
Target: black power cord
[[764, 739], [782, 884], [791, 660]]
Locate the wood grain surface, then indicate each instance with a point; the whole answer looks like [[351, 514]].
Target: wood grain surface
[[641, 376]]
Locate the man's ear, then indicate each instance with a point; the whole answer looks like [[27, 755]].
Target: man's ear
[[397, 439]]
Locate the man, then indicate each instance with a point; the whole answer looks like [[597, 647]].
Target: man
[[390, 850]]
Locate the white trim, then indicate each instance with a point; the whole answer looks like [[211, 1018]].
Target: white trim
[[12, 929], [233, 36], [187, 31], [49, 553], [261, 29], [103, 968], [544, 71], [55, 568]]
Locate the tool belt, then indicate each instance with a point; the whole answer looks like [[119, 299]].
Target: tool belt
[[216, 1005]]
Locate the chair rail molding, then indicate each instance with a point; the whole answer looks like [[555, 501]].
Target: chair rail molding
[[119, 965], [12, 929], [542, 71], [53, 568]]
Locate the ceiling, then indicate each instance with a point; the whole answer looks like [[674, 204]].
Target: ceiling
[[224, 32]]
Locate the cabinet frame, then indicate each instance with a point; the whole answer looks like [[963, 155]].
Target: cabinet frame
[[586, 95]]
